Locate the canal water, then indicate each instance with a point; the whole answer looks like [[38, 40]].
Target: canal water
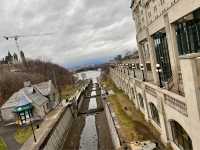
[[89, 137], [92, 103], [93, 93]]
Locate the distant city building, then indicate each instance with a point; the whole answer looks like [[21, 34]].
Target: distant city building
[[10, 59], [164, 81]]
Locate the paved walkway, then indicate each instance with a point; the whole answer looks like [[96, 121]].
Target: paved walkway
[[7, 133]]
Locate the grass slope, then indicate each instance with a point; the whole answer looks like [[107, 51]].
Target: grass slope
[[3, 145]]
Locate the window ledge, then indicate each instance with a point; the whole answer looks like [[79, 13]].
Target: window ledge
[[189, 56]]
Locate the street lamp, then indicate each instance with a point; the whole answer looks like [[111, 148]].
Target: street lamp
[[142, 69], [32, 127], [133, 67], [159, 70]]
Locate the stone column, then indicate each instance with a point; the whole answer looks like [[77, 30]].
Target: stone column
[[191, 84], [190, 67], [142, 60], [135, 100], [153, 59], [173, 53], [163, 118], [147, 113]]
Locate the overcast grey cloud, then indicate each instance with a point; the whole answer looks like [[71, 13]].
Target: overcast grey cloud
[[84, 30]]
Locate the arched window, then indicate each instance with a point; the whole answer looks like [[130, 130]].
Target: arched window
[[154, 113], [180, 137], [141, 101]]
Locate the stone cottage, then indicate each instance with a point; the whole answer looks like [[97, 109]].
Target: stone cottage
[[41, 98]]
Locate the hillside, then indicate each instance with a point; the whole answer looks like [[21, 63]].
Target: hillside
[[12, 77]]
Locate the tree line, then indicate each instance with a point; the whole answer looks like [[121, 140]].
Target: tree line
[[36, 71]]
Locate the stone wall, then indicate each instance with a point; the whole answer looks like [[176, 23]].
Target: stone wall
[[55, 139], [112, 128]]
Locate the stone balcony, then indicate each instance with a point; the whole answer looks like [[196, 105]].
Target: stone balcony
[[172, 100]]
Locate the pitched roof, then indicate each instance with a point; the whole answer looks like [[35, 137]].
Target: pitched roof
[[23, 101], [13, 100], [44, 87], [38, 99], [35, 94]]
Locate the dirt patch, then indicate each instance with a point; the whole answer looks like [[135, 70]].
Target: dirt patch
[[84, 107], [133, 126], [132, 121]]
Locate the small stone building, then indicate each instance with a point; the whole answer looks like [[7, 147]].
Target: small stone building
[[43, 97]]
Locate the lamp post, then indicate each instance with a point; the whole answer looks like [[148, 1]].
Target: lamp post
[[159, 70], [142, 69], [32, 127], [133, 67]]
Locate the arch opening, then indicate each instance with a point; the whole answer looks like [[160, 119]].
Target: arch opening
[[180, 136], [154, 114], [141, 101]]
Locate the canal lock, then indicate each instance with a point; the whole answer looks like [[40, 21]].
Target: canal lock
[[89, 136]]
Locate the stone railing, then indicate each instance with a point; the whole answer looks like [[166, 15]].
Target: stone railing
[[138, 74], [176, 104], [151, 91]]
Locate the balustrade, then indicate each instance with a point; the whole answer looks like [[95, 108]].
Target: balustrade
[[176, 104]]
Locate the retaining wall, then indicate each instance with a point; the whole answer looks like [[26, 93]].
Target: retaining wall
[[55, 139], [113, 132]]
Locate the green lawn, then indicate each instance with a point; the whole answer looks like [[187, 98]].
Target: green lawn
[[3, 145], [22, 134]]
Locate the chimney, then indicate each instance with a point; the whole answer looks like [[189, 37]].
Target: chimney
[[27, 84]]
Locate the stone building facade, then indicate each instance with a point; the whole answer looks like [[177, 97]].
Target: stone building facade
[[165, 82]]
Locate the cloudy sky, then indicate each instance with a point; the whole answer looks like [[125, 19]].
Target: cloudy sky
[[84, 31]]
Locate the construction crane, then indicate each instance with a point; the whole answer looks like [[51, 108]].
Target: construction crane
[[16, 38]]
